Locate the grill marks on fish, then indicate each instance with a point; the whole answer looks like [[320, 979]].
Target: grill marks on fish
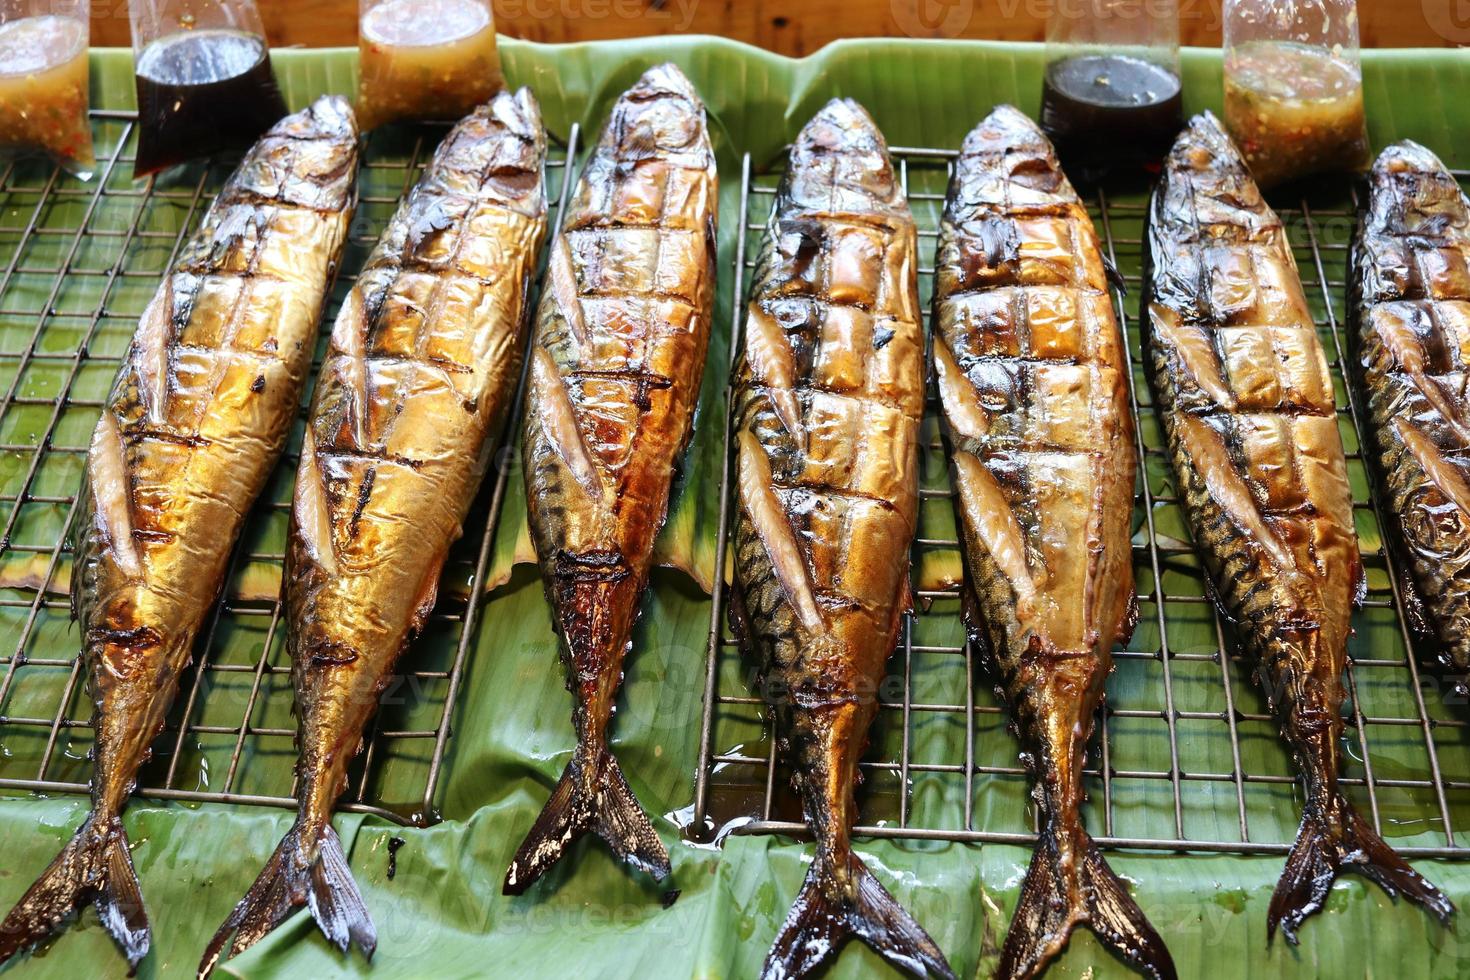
[[417, 380], [1264, 483], [184, 446], [828, 401], [1411, 309], [619, 351], [1031, 374]]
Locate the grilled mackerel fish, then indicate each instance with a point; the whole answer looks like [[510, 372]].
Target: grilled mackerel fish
[[418, 377], [1247, 404], [615, 369], [1411, 282], [196, 420], [193, 428], [1032, 379], [828, 399]]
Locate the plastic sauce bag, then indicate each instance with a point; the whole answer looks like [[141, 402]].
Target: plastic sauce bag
[[425, 59], [1295, 110], [1294, 87], [43, 82], [204, 79]]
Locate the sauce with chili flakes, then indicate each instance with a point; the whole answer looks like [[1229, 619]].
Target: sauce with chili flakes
[[43, 90], [426, 59], [1295, 109]]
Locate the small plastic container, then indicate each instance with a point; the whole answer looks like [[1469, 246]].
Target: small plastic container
[[1110, 97], [1294, 87], [43, 82], [204, 79], [425, 59]]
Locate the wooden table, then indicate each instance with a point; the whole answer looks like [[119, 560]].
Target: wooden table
[[797, 27]]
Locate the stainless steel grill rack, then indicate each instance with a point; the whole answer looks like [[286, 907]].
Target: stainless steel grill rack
[[1185, 757], [95, 252]]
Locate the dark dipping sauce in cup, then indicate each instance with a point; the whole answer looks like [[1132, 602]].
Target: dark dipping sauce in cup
[[1110, 114], [200, 92]]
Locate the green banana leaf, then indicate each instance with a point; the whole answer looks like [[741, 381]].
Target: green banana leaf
[[436, 896]]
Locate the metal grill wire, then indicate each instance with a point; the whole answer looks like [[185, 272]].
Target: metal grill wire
[[1185, 755], [96, 251]]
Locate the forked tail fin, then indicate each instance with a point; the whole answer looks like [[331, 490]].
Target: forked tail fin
[[294, 877], [832, 908], [95, 866], [1059, 895], [592, 796], [1329, 843]]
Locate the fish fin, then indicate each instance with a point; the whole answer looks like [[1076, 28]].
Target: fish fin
[[1051, 906], [95, 865], [595, 799], [1324, 847], [828, 911], [292, 878]]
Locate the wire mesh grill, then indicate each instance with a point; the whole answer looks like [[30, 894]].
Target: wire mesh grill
[[1185, 755], [78, 261]]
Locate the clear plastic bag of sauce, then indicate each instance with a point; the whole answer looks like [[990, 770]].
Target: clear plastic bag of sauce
[[204, 79], [425, 59], [1110, 96], [43, 82], [1294, 87]]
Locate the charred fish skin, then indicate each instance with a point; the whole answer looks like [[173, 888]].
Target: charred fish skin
[[616, 365], [419, 374], [1243, 391], [828, 399], [195, 423], [1411, 314], [1032, 379]]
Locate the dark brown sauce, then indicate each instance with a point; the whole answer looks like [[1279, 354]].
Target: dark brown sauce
[[202, 92], [1110, 114]]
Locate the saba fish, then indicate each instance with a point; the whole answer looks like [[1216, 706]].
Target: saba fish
[[1032, 378], [1410, 278], [196, 421], [1246, 400], [418, 378], [828, 399], [616, 363]]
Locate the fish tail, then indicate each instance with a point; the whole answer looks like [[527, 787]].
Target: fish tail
[[294, 877], [593, 795], [833, 907], [97, 866], [1333, 840], [1062, 891]]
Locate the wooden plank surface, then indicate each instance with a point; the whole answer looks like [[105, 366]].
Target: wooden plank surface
[[797, 27]]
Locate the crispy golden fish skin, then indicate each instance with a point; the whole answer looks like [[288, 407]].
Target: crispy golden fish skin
[[1411, 311], [1243, 390], [195, 423], [616, 362], [828, 399], [1032, 379], [417, 381]]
